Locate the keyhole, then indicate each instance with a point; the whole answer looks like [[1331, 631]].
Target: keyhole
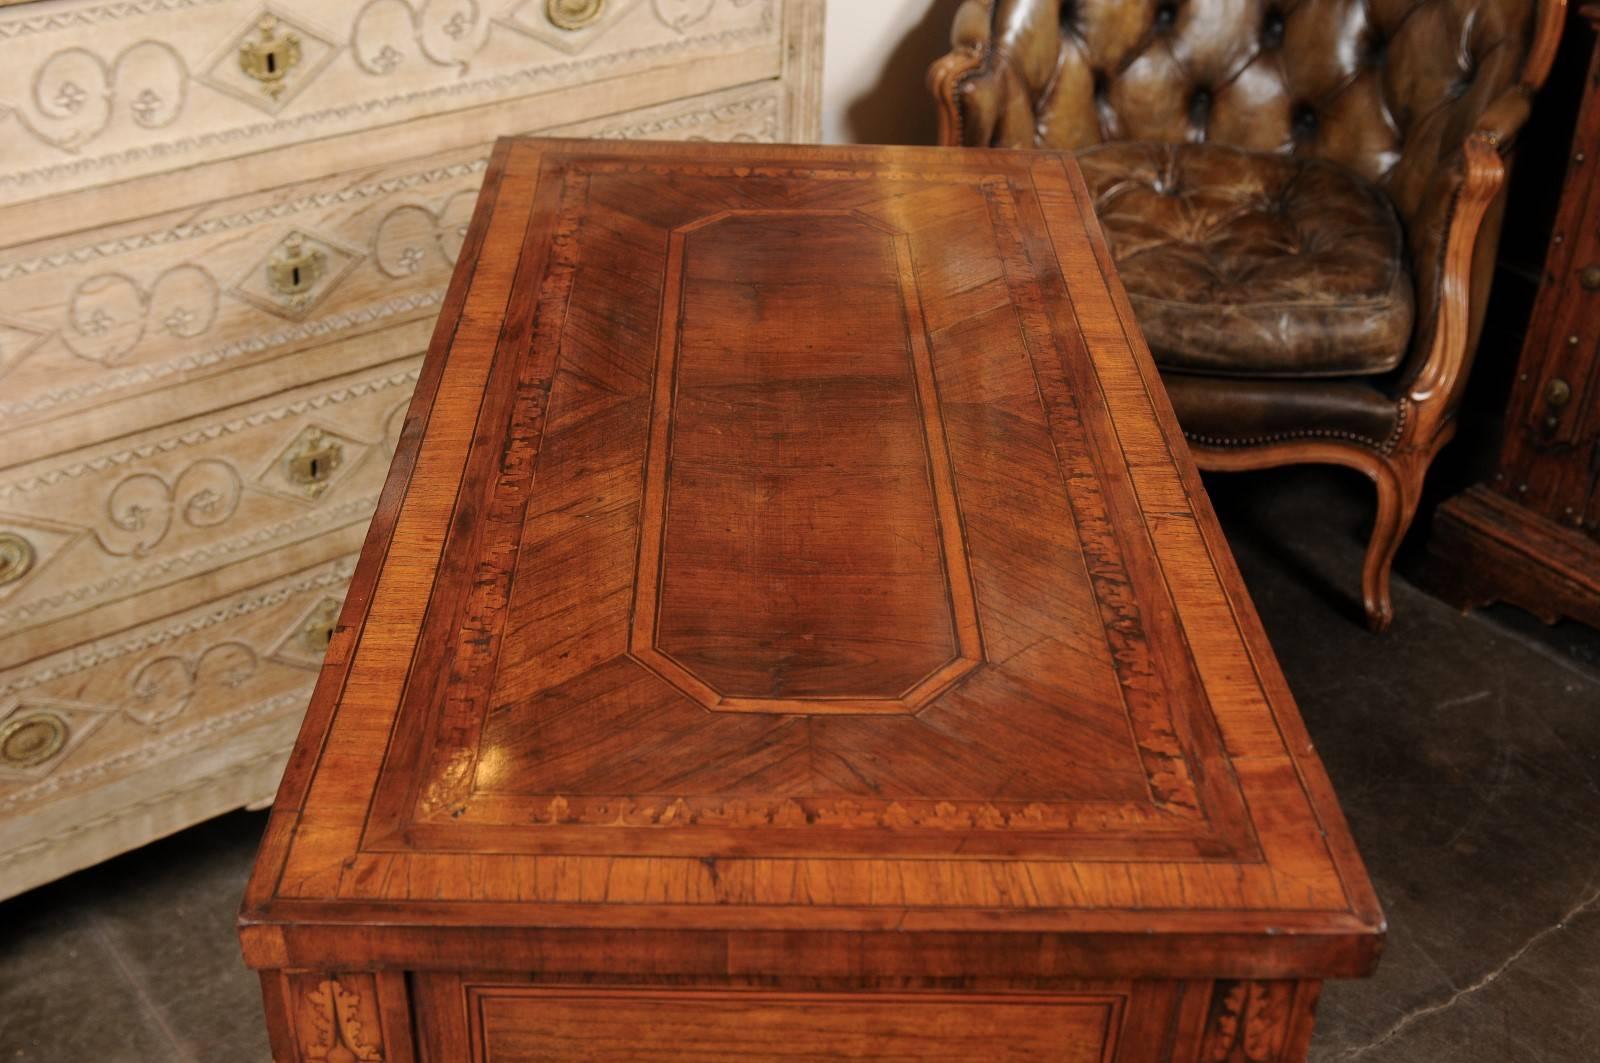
[[316, 469], [272, 62], [294, 277]]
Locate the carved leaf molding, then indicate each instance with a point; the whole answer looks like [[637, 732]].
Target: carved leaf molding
[[1249, 1022], [336, 1030]]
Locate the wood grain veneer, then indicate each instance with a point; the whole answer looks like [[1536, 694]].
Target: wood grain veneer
[[792, 605]]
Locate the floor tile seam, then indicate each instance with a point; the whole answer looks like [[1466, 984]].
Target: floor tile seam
[[1583, 907], [146, 1003]]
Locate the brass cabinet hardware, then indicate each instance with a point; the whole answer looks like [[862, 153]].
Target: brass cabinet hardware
[[311, 464], [573, 14], [1557, 392], [1589, 277], [31, 739], [296, 268], [16, 557], [317, 631], [270, 56]]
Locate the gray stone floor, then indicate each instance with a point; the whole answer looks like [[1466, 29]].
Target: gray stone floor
[[1466, 750]]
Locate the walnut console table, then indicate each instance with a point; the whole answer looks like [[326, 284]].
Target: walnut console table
[[793, 628]]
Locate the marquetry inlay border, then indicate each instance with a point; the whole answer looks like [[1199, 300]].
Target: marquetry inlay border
[[450, 815]]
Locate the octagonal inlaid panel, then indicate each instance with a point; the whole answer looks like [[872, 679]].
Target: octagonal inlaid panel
[[772, 576]]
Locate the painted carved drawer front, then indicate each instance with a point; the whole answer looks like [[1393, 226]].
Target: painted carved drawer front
[[183, 716], [93, 320], [98, 526], [115, 322], [93, 92]]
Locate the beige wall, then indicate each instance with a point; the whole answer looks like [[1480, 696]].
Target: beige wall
[[877, 53]]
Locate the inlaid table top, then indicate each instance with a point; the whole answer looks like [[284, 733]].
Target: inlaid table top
[[794, 547]]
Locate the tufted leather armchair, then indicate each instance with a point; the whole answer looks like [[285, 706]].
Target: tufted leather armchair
[[1303, 198]]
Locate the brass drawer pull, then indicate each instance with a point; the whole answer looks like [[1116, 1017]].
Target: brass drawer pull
[[30, 740], [1589, 277], [573, 14], [16, 557]]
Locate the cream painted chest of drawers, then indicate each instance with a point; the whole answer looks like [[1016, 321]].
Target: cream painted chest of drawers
[[225, 228]]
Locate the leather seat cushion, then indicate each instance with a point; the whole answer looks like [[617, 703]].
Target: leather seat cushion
[[1244, 263], [1221, 412]]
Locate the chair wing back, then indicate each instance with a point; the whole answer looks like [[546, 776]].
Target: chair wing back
[[1389, 88]]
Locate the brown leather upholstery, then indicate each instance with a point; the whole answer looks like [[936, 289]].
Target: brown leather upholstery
[[1386, 88], [1248, 411], [1253, 265]]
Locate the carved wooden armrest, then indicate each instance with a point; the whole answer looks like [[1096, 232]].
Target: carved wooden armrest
[[1434, 390]]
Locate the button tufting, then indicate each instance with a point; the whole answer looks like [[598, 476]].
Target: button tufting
[[1304, 121], [1068, 14], [1166, 15], [1272, 25], [1199, 107], [1247, 262], [1374, 46]]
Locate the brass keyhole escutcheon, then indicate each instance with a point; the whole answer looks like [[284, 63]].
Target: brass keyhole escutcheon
[[573, 14], [270, 55], [297, 268], [26, 741], [313, 462], [1589, 277], [16, 557]]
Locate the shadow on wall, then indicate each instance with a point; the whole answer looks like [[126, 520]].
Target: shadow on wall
[[896, 107]]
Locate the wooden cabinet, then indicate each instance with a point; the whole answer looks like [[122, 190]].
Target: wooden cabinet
[[1531, 535], [793, 628], [225, 230]]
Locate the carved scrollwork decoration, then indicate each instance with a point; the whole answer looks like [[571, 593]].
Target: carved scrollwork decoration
[[164, 686], [679, 15], [109, 314], [410, 234], [394, 423], [141, 507], [388, 33], [76, 93]]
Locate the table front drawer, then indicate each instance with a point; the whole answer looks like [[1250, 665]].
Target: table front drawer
[[524, 1025], [106, 91]]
